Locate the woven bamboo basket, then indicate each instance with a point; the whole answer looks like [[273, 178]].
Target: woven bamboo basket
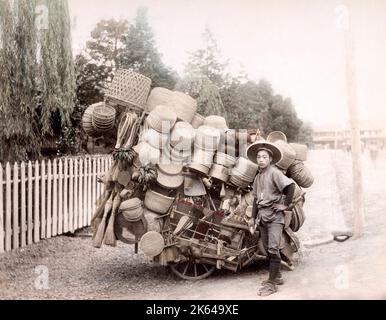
[[197, 121], [217, 122], [207, 138], [301, 151], [204, 157], [184, 106], [129, 87], [198, 167], [288, 153], [155, 139], [275, 136], [162, 119], [87, 121], [245, 169], [157, 202], [169, 176], [225, 159], [301, 174], [182, 136], [103, 117], [152, 243], [159, 96], [239, 182], [219, 172]]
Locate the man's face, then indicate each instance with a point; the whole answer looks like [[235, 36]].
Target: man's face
[[263, 159]]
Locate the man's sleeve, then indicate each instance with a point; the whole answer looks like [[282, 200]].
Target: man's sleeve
[[280, 180]]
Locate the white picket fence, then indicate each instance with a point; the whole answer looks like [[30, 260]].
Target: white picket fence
[[44, 199]]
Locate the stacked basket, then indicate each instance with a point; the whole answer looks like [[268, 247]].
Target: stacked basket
[[243, 173]]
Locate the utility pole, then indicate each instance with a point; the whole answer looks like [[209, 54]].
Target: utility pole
[[357, 196]]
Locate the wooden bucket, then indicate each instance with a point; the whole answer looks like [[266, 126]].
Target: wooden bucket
[[219, 172]]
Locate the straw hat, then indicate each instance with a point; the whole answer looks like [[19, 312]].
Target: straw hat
[[254, 148]]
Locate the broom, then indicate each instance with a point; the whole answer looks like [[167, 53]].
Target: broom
[[98, 238], [110, 238], [97, 217]]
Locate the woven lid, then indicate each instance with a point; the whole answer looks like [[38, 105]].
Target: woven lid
[[216, 122], [133, 215], [152, 243], [169, 181], [171, 169]]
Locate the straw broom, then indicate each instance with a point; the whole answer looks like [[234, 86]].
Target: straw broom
[[110, 238], [98, 238]]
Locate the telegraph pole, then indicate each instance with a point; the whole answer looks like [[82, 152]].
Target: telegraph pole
[[357, 196]]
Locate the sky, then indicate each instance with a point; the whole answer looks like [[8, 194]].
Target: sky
[[297, 45]]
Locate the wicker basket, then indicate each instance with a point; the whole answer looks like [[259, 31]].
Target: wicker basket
[[300, 174], [155, 139], [239, 182], [103, 117], [245, 169], [182, 136], [288, 153], [184, 106], [275, 136], [169, 176], [147, 154], [197, 121], [198, 167], [301, 151], [225, 159], [129, 87], [87, 121], [207, 138], [219, 172], [216, 122], [204, 157], [176, 156], [162, 119], [157, 202], [159, 96]]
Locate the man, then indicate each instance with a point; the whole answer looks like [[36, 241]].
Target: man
[[273, 193]]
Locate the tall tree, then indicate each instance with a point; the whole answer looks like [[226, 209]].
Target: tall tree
[[95, 66], [141, 54], [207, 61]]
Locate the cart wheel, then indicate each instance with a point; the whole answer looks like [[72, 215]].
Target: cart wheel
[[189, 270]]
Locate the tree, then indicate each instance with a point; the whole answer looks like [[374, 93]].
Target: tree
[[141, 54], [95, 66], [206, 62]]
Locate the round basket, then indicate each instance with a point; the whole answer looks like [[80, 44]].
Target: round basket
[[155, 139], [177, 156], [288, 153], [103, 117], [197, 121], [301, 151], [159, 96], [207, 138], [157, 202], [245, 169], [154, 223], [87, 121], [219, 172], [152, 243], [161, 119], [216, 122], [182, 136], [239, 182], [147, 154], [198, 167], [168, 176], [129, 87], [225, 159], [301, 174], [129, 232], [275, 136], [184, 106], [204, 157], [131, 209]]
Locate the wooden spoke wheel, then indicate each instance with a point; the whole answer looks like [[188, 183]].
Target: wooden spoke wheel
[[192, 271]]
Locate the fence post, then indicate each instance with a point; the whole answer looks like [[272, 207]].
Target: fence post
[[80, 206], [23, 205], [30, 208], [60, 196], [15, 227], [8, 217], [75, 195], [55, 199], [43, 201], [65, 197], [36, 206], [70, 195], [1, 211], [49, 199]]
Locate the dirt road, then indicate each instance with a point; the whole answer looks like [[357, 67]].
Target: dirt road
[[70, 268]]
